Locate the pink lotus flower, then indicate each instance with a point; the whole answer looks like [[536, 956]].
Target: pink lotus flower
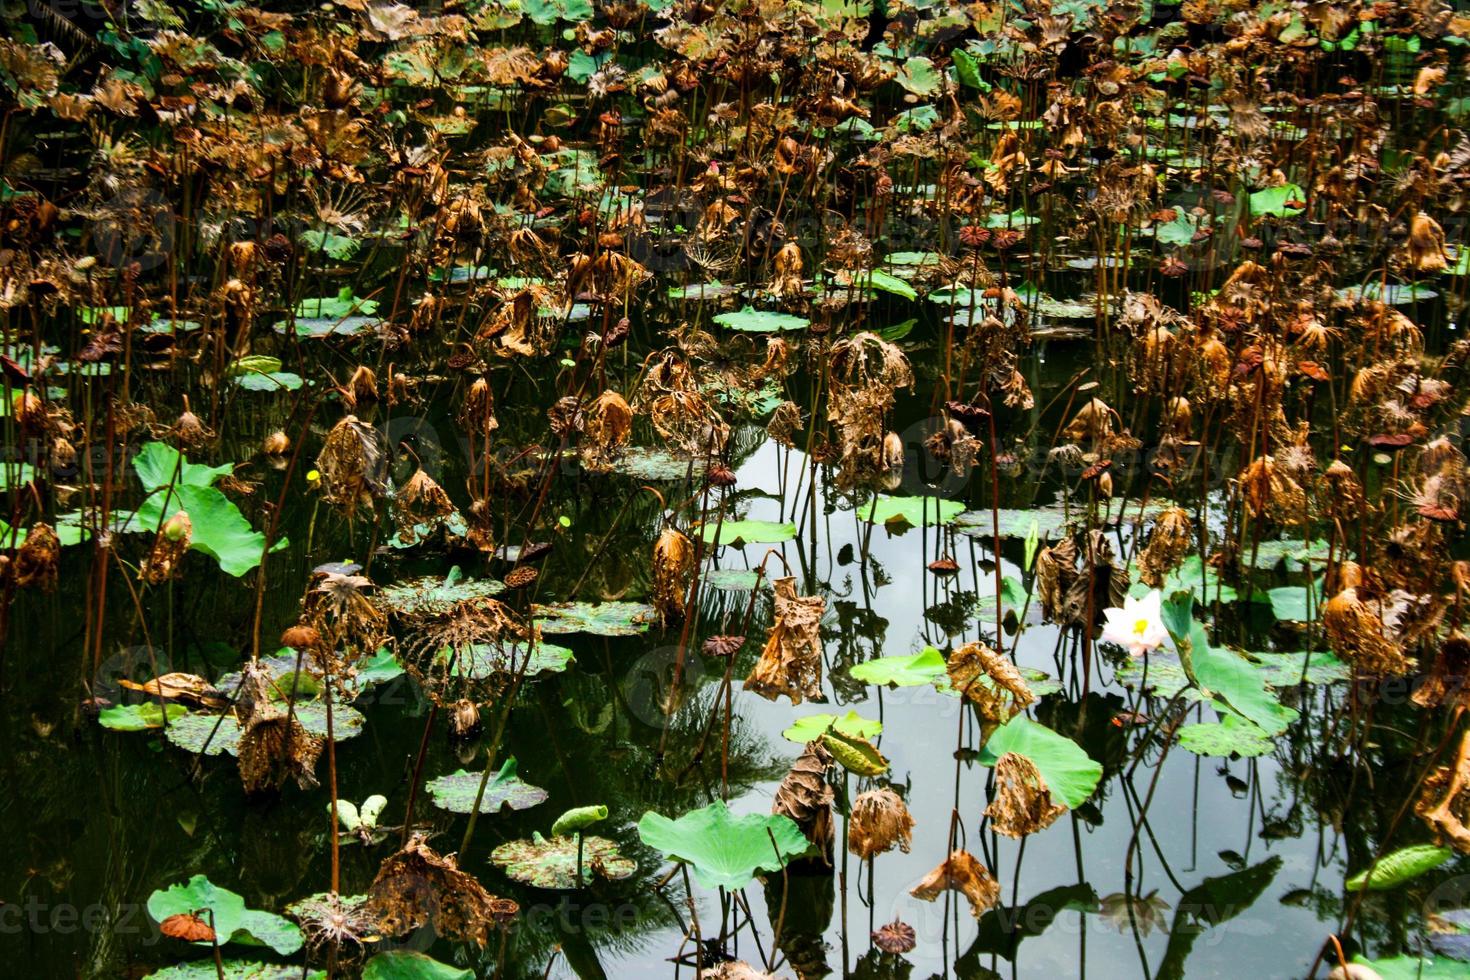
[[1138, 626]]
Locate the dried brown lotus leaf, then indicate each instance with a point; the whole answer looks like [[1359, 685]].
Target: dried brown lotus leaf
[[417, 887], [673, 561], [1357, 634], [1167, 546], [1097, 583], [38, 558], [274, 747], [880, 822], [352, 466], [1271, 494], [1446, 683], [791, 661], [1093, 423], [1444, 801], [609, 423], [421, 501], [960, 872], [1055, 571], [1022, 803], [806, 798]]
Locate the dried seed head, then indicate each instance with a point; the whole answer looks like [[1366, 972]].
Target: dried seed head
[[896, 937], [723, 646], [880, 822], [303, 638], [464, 719]]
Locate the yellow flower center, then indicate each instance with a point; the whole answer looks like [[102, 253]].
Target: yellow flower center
[[1140, 626]]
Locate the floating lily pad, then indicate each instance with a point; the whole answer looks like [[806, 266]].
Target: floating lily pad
[[1415, 968], [733, 579], [1268, 554], [597, 618], [1069, 772], [1285, 669], [749, 532], [915, 511], [269, 381], [751, 320], [814, 726], [507, 791], [481, 660], [925, 667], [657, 466], [434, 596], [192, 730], [703, 290], [138, 717], [1229, 736], [552, 863], [724, 851], [1162, 678], [1242, 684], [204, 969]]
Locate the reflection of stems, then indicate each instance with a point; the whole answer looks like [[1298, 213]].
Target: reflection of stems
[[785, 882], [332, 786], [579, 858], [418, 768]]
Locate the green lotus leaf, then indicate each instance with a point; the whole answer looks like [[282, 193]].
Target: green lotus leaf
[[916, 511], [749, 320], [724, 851], [1400, 866], [1069, 772], [408, 964], [814, 726], [552, 863], [138, 717], [1229, 736], [925, 667], [747, 532], [597, 618], [507, 791]]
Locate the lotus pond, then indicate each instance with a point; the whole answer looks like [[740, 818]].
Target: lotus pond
[[542, 488]]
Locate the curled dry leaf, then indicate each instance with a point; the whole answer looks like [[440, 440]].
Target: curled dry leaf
[[1444, 801], [274, 747], [1022, 803], [963, 873], [973, 664], [791, 662], [805, 797], [188, 927], [880, 822], [673, 561], [608, 424], [1170, 541]]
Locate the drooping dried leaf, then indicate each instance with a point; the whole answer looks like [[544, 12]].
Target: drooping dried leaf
[[880, 822], [806, 798], [1022, 803], [791, 662], [963, 873]]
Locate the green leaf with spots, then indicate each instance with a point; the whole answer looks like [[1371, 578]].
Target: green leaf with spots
[[1069, 772], [1285, 669], [724, 851], [919, 76], [1415, 968], [552, 863], [506, 791], [1231, 735], [226, 911], [433, 596], [597, 618]]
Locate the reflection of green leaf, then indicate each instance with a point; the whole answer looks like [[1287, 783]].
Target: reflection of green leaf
[[456, 791], [812, 726], [1285, 669], [553, 863], [1400, 866], [750, 532], [924, 667], [725, 851], [137, 717], [1231, 735], [1002, 928], [408, 964], [1210, 903], [1069, 772], [433, 595]]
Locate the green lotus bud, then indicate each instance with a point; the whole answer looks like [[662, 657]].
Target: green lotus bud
[[577, 818]]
